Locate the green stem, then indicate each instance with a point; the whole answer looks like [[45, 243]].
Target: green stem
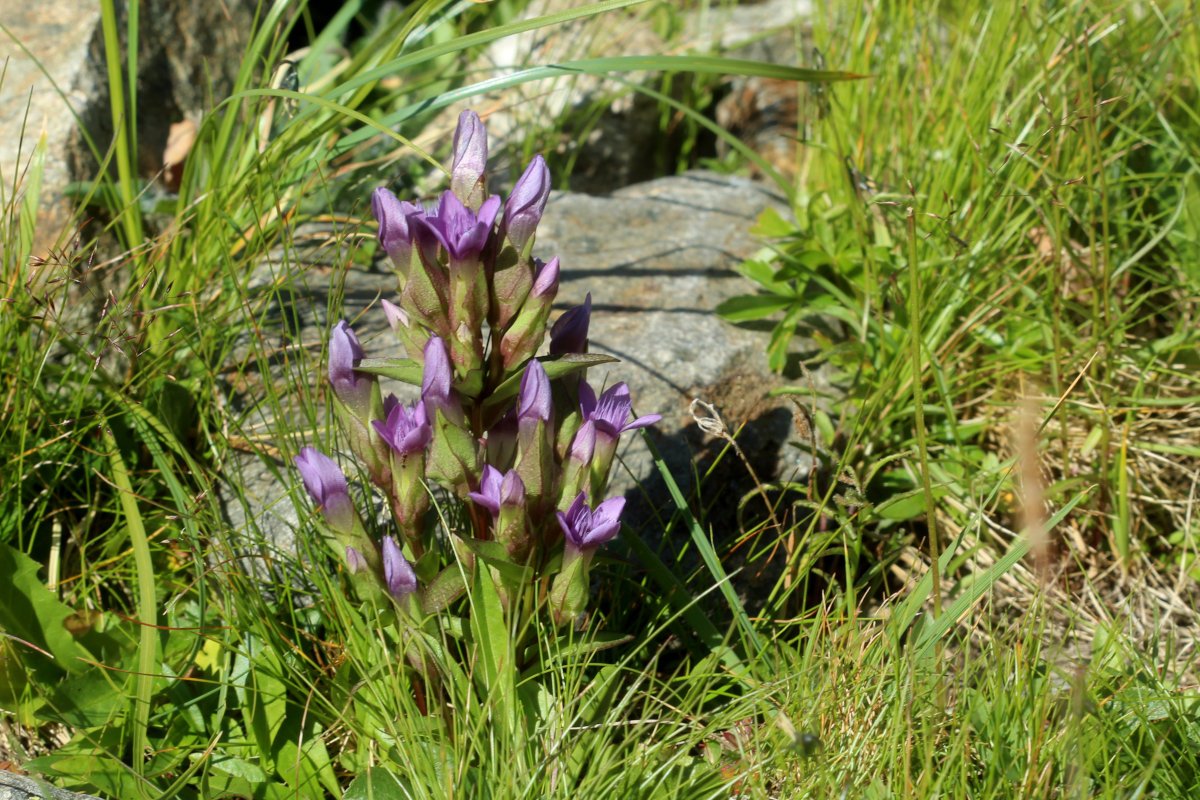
[[131, 218], [914, 331]]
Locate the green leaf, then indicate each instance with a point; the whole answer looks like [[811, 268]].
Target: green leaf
[[495, 555], [765, 275], [493, 645], [91, 700], [31, 613], [555, 366], [939, 627], [907, 505], [378, 784], [771, 225], [751, 307], [399, 369]]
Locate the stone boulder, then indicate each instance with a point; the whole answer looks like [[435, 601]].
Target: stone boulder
[[18, 787], [56, 84]]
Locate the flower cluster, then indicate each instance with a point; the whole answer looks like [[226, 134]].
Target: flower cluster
[[522, 441]]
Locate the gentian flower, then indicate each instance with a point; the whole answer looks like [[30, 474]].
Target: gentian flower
[[526, 331], [326, 484], [525, 205], [459, 229], [498, 489], [395, 226], [545, 284], [569, 334], [468, 166], [406, 428], [345, 353], [436, 381], [611, 412], [398, 574], [587, 529], [534, 402]]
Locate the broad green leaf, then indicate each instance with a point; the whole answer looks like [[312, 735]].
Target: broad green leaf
[[771, 225], [907, 505], [29, 612], [751, 307], [495, 555], [493, 645], [378, 784], [399, 369]]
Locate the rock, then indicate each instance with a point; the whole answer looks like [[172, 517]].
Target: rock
[[626, 141], [188, 51], [18, 787], [657, 258]]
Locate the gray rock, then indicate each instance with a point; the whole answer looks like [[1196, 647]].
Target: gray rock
[[626, 139], [657, 258], [187, 49], [18, 787]]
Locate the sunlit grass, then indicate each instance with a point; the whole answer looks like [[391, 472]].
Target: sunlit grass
[[1050, 159]]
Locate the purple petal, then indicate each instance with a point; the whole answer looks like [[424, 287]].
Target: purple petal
[[488, 495], [527, 202], [396, 317], [534, 400], [344, 354], [470, 151], [322, 477], [355, 561], [583, 446], [435, 380], [546, 282], [512, 490], [398, 574], [569, 334], [605, 522]]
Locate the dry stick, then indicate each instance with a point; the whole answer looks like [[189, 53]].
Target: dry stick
[[714, 426]]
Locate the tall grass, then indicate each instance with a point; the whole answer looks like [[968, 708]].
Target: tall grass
[[1049, 159]]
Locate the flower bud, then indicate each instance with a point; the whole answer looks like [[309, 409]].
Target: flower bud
[[526, 204], [524, 336], [398, 575], [569, 334], [468, 166]]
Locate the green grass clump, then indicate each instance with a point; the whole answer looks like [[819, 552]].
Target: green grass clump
[[1048, 155]]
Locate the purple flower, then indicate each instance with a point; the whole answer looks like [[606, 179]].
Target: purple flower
[[525, 205], [394, 217], [345, 353], [459, 229], [545, 285], [611, 411], [583, 446], [534, 401], [396, 316], [435, 380], [469, 162], [326, 483], [355, 561], [569, 334], [406, 428], [499, 489], [398, 574], [587, 529]]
